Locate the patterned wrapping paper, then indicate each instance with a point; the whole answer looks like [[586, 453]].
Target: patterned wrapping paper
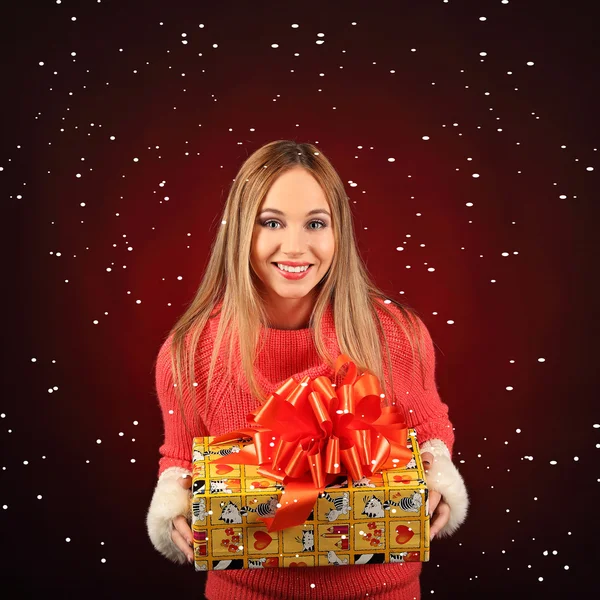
[[373, 520]]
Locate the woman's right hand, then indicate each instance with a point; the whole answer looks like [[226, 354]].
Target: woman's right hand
[[181, 533], [169, 513]]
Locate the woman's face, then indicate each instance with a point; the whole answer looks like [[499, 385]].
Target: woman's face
[[292, 235]]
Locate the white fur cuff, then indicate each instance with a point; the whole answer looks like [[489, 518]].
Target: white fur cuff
[[443, 477], [169, 500], [436, 447]]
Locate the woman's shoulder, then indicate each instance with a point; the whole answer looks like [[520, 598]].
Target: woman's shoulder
[[186, 339]]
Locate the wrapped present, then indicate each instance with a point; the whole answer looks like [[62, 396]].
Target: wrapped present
[[323, 477], [381, 518]]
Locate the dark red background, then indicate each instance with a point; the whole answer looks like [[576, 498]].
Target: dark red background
[[542, 304]]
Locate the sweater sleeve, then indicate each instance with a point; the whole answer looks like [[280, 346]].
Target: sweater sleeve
[[176, 450], [418, 395], [428, 415]]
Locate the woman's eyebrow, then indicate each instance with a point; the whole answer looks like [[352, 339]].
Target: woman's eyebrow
[[310, 212]]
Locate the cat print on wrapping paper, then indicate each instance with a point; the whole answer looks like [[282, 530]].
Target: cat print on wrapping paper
[[334, 559], [265, 509], [222, 452], [230, 513], [396, 557], [257, 563], [375, 508], [412, 503], [200, 455], [342, 482], [217, 486], [307, 541], [412, 464], [363, 482], [341, 505], [199, 509]]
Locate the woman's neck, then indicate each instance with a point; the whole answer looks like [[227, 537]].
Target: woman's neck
[[290, 313]]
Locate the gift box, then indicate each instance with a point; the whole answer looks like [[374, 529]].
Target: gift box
[[377, 519], [325, 475]]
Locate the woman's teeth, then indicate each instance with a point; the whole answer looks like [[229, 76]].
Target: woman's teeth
[[292, 269]]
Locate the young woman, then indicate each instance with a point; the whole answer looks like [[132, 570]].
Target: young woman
[[253, 324]]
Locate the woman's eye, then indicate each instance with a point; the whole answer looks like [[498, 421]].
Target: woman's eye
[[266, 223]]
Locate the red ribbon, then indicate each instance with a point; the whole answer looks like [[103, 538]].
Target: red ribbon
[[308, 433]]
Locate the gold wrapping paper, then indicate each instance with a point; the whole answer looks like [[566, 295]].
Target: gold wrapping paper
[[379, 519]]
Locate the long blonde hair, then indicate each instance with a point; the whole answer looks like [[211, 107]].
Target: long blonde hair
[[229, 279]]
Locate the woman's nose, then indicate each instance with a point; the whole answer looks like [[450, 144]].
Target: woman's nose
[[293, 242]]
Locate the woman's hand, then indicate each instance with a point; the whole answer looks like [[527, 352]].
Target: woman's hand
[[181, 533], [442, 514]]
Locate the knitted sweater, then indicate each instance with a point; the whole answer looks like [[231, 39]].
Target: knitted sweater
[[292, 353]]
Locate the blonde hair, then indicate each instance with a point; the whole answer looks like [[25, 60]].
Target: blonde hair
[[230, 280]]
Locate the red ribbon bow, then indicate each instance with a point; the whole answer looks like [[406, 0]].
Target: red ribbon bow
[[308, 434]]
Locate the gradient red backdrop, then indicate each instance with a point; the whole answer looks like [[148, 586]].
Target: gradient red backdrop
[[101, 259]]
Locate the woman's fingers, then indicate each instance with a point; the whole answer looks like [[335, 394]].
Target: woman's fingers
[[181, 533], [427, 459], [434, 499], [182, 536], [441, 518], [180, 542], [181, 525], [439, 511], [185, 482]]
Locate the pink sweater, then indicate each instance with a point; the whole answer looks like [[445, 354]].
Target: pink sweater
[[292, 352]]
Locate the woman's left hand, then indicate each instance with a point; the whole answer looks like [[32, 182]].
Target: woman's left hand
[[438, 509]]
